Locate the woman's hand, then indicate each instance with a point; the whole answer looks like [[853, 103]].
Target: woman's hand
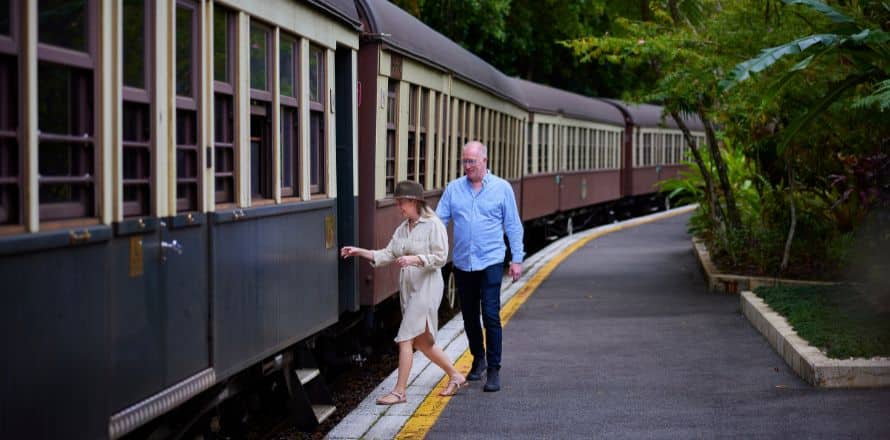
[[409, 260], [350, 251]]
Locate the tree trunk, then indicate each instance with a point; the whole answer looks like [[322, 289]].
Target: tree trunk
[[645, 15], [716, 211], [675, 11], [787, 253], [732, 212]]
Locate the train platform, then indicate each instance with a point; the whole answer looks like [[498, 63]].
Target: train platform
[[611, 333]]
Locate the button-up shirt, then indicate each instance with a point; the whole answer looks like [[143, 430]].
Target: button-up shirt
[[480, 220]]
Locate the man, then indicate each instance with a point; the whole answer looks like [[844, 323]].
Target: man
[[483, 208]]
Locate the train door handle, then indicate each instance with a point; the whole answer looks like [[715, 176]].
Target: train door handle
[[174, 246]]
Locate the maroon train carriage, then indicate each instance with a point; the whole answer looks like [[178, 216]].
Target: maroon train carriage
[[423, 98], [573, 158], [655, 146]]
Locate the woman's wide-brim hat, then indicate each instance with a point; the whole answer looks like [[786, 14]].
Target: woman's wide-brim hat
[[407, 189]]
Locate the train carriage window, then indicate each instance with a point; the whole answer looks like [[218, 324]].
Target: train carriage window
[[223, 105], [412, 133], [65, 78], [136, 136], [529, 150], [187, 157], [289, 62], [317, 139], [5, 18], [392, 108], [435, 123], [421, 143], [10, 183], [261, 150], [10, 157]]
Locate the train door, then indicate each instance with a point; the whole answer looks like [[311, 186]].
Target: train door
[[347, 220], [160, 300]]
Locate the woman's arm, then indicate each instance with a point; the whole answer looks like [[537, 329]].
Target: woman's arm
[[353, 251]]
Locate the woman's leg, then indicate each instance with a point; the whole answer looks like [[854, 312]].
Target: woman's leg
[[406, 357], [426, 345]]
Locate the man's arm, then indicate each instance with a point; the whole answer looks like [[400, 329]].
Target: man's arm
[[513, 229], [443, 208]]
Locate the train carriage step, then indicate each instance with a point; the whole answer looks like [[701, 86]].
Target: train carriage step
[[322, 412], [306, 375]]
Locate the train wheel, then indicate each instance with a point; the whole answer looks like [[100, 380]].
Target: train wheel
[[451, 290]]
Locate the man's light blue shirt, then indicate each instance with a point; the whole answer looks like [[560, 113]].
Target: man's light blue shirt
[[480, 221]]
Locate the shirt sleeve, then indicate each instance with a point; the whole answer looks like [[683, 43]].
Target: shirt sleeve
[[385, 256], [513, 225], [438, 255], [443, 208]]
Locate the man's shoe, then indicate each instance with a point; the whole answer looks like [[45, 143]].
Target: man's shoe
[[476, 372], [494, 380]]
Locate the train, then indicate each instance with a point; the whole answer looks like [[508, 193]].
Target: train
[[176, 177]]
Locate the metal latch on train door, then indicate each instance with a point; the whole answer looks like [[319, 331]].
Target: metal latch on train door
[[328, 231]]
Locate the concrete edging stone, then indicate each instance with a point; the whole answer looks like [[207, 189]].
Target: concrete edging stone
[[729, 283], [807, 361]]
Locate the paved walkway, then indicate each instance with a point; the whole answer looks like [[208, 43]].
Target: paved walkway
[[622, 340]]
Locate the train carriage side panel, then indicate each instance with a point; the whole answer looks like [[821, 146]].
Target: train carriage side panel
[[56, 337]]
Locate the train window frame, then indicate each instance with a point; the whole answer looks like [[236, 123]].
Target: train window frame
[[422, 134], [187, 118], [224, 145], [83, 70], [392, 145], [11, 182], [317, 122], [261, 166], [290, 155], [137, 102], [260, 91], [412, 147]]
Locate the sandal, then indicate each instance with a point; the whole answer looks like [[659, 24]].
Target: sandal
[[385, 400], [454, 385]]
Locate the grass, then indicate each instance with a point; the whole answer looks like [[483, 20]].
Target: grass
[[840, 320]]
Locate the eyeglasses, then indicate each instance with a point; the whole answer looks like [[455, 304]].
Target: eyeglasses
[[469, 161]]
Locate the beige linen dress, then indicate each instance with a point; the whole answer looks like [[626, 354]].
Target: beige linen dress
[[420, 287]]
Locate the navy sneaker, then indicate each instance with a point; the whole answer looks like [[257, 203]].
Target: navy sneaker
[[479, 366], [494, 380]]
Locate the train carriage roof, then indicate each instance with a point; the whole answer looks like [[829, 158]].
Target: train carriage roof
[[545, 99], [406, 34], [649, 115], [344, 9]]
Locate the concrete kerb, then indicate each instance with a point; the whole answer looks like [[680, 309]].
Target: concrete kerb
[[807, 361], [729, 283], [372, 421]]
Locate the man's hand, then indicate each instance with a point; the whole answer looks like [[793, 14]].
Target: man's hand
[[515, 271]]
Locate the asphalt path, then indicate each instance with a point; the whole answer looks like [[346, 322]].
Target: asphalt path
[[624, 341]]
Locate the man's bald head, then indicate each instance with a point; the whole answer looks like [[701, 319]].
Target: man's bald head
[[476, 148]]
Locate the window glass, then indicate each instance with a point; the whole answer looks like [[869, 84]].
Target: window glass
[[316, 72], [10, 206], [65, 104], [220, 44], [316, 153], [63, 23], [259, 49], [286, 70], [5, 14], [224, 148], [134, 43], [184, 50]]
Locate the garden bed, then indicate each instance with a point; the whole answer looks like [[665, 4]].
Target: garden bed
[[808, 361]]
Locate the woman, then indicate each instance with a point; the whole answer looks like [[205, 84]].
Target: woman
[[420, 247]]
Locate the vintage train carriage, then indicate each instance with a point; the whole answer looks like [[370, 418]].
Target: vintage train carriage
[[171, 177], [654, 145], [573, 159], [423, 97]]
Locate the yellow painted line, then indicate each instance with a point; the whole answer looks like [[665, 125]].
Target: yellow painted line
[[425, 416]]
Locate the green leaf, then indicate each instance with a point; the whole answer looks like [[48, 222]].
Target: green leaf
[[770, 56], [824, 9], [805, 119]]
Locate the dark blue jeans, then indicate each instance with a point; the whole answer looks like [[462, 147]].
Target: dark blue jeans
[[482, 288]]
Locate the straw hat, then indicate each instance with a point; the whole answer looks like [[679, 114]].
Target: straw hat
[[407, 189]]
